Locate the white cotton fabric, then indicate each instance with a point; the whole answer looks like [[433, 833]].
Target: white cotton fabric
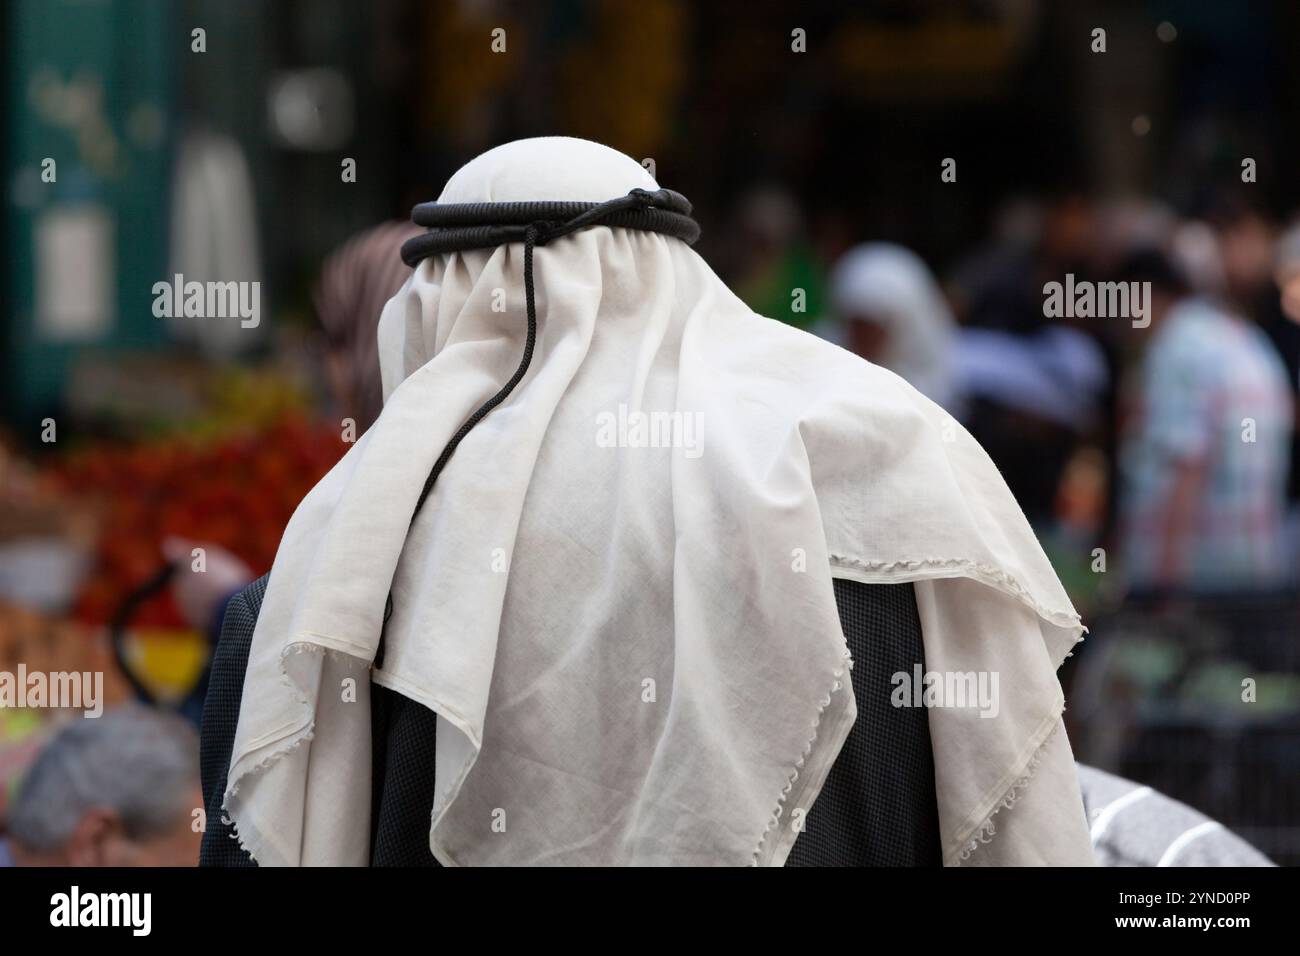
[[634, 652]]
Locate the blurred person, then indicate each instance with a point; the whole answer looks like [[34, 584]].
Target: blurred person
[[1245, 242], [1039, 390], [355, 282], [1133, 825], [604, 651], [1253, 259], [119, 790], [774, 260], [1000, 287], [201, 595], [1256, 263], [991, 277], [1194, 255], [1031, 400], [890, 311], [1205, 462]]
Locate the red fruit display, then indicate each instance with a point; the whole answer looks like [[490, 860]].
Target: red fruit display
[[236, 491]]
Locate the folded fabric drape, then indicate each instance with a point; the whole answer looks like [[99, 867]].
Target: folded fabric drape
[[618, 596]]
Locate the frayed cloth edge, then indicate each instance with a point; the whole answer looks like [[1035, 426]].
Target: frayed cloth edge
[[846, 664], [987, 829], [930, 568], [250, 840]]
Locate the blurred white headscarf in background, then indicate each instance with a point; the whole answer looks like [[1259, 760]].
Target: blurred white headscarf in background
[[891, 286], [633, 647]]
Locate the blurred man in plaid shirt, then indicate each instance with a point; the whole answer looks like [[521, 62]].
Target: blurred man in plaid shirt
[[1205, 462]]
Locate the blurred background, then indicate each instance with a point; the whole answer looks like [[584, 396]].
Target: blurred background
[[902, 177]]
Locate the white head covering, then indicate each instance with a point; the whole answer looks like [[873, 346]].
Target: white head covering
[[892, 286], [634, 651]]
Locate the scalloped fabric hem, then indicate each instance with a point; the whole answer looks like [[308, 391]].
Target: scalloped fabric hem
[[987, 828], [250, 840], [846, 664], [994, 577]]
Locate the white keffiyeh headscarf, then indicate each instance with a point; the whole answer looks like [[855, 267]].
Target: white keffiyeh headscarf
[[618, 597]]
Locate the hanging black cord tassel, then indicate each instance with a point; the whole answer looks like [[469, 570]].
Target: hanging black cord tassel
[[530, 239], [458, 227]]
